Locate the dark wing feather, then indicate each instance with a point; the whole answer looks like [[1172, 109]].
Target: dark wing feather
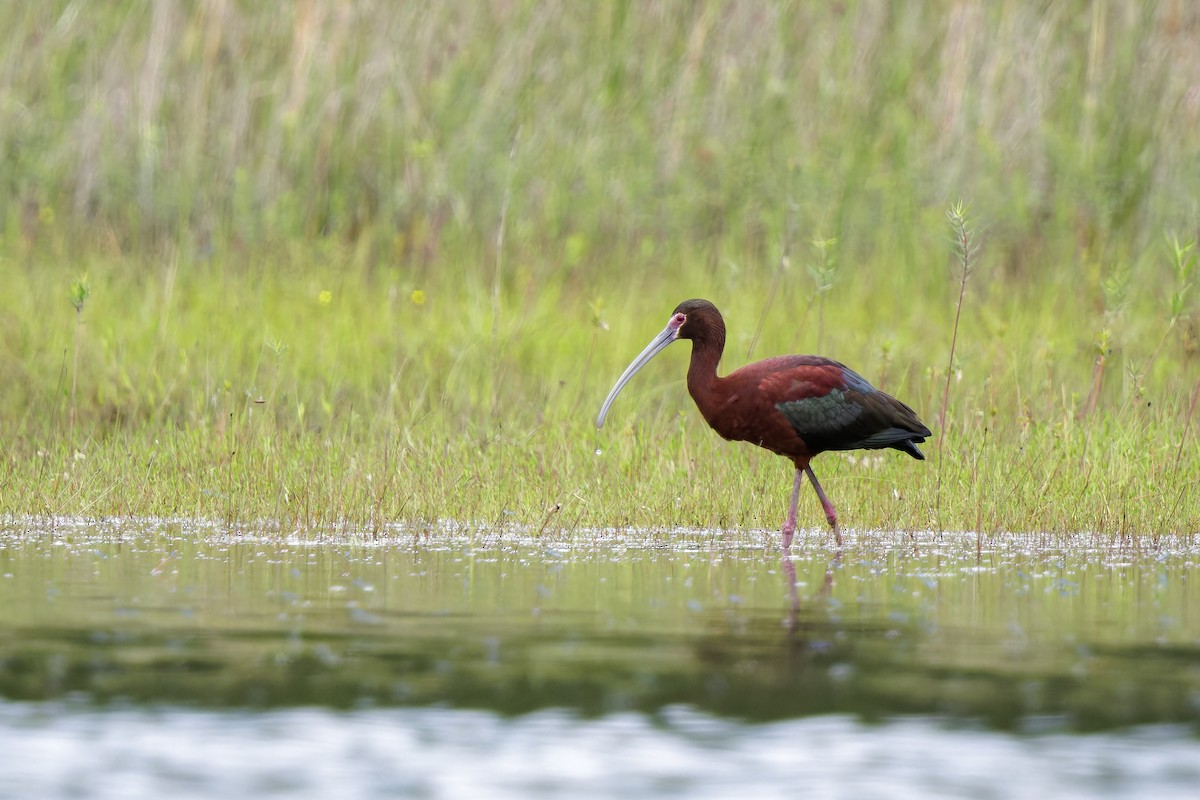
[[831, 407]]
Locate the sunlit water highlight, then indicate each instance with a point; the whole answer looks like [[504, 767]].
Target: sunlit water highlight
[[56, 751]]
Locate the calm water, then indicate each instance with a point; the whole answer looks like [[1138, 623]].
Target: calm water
[[173, 659]]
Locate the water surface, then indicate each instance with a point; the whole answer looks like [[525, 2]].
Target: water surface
[[59, 750], [689, 647]]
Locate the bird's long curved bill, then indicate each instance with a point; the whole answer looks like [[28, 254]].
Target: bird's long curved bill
[[652, 349]]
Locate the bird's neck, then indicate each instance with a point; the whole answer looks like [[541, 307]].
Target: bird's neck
[[702, 373]]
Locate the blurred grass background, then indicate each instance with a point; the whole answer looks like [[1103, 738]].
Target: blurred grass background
[[373, 261]]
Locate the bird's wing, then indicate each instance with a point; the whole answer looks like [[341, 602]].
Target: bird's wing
[[831, 407]]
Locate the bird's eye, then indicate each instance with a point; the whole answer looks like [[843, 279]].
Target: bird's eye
[[680, 318]]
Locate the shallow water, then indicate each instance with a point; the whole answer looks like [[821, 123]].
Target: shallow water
[[669, 663]]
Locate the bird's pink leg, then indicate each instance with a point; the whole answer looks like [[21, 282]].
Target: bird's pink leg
[[830, 514], [789, 525]]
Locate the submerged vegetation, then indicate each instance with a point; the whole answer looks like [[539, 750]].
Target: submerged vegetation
[[355, 264]]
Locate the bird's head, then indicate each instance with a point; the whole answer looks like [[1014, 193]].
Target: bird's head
[[698, 320]]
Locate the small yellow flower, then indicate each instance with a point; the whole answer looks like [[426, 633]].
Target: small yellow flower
[[417, 297], [325, 297]]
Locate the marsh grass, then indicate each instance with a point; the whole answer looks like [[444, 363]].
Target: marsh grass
[[374, 263], [79, 295], [966, 250]]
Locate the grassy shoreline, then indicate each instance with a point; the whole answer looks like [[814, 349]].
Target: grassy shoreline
[[291, 432]]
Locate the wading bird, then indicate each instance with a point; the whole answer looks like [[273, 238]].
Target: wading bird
[[796, 406]]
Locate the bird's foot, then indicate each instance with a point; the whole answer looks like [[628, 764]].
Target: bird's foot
[[831, 516]]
